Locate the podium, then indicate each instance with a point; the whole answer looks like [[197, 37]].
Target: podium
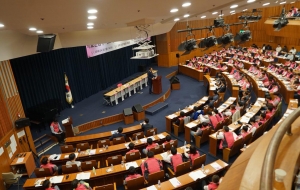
[[24, 163], [67, 123], [156, 84]]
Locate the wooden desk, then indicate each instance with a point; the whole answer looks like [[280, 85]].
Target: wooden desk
[[231, 84], [189, 109], [213, 141], [94, 138], [186, 180], [27, 163], [191, 72], [100, 178]]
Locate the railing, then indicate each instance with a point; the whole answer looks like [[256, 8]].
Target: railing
[[266, 181]]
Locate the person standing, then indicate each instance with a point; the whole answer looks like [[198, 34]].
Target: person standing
[[150, 78], [57, 131]]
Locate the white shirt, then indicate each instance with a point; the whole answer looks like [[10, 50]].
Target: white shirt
[[293, 51], [204, 119], [78, 163], [167, 157], [221, 135], [278, 49]]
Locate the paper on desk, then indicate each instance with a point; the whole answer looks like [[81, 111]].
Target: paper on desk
[[172, 116], [161, 136], [212, 79], [244, 119], [226, 73], [216, 166], [114, 131], [143, 140], [126, 145], [38, 182], [65, 121], [174, 181], [56, 179], [265, 89], [52, 157], [197, 175], [83, 175], [184, 110], [289, 111], [205, 98], [232, 98], [249, 114], [92, 152], [164, 154], [191, 125], [152, 187], [212, 88], [134, 164], [261, 99], [20, 160]]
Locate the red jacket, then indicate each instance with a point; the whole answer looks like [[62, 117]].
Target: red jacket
[[151, 165], [212, 186], [176, 160], [229, 138], [130, 177], [194, 156], [214, 121]]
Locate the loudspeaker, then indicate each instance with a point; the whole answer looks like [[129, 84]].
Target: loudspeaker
[[177, 55], [137, 108], [23, 122], [174, 80], [127, 111], [45, 43]]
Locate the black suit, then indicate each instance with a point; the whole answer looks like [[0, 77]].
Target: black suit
[[150, 77], [146, 127], [116, 135]]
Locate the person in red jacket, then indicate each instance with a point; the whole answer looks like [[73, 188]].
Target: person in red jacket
[[172, 159], [45, 163], [57, 131], [131, 174], [213, 119], [214, 184], [226, 135], [48, 185], [131, 149], [80, 185], [150, 145], [192, 155], [151, 165]]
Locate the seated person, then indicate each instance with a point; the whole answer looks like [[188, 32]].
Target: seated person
[[216, 95], [220, 116], [262, 119], [270, 111], [181, 116], [149, 146], [118, 134], [72, 158], [168, 140], [192, 155], [57, 131], [214, 184], [199, 130], [146, 126], [151, 165], [222, 87], [48, 185], [230, 112], [172, 159], [227, 137], [213, 119], [131, 149], [196, 113], [80, 185], [45, 163], [244, 132], [131, 174]]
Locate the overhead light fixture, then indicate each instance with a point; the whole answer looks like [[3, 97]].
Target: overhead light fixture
[[39, 31], [243, 36], [203, 16], [32, 29], [282, 2], [265, 4], [1, 25], [281, 22], [176, 19], [226, 39], [173, 10], [187, 46], [215, 13], [187, 15], [90, 24], [186, 4], [232, 11], [233, 6], [245, 10], [208, 42], [92, 17], [91, 11], [250, 1], [90, 27]]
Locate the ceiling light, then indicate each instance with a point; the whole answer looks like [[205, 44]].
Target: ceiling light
[[233, 6], [176, 19], [32, 29], [1, 25], [92, 11], [173, 10], [90, 24], [203, 16], [266, 4], [90, 27], [292, 2], [282, 2], [245, 9], [221, 15], [186, 4], [214, 13], [39, 31], [232, 11], [92, 17], [250, 1], [187, 15]]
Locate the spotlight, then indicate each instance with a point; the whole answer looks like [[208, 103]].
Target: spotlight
[[187, 46], [208, 42], [218, 22], [280, 23], [243, 36], [226, 39], [242, 17]]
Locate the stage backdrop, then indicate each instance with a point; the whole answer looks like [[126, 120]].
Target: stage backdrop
[[40, 77]]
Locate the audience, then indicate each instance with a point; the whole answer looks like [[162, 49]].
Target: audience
[[192, 155], [149, 146], [146, 126], [72, 160], [80, 185], [172, 159], [48, 185], [227, 137], [151, 165], [118, 134], [131, 174], [45, 163]]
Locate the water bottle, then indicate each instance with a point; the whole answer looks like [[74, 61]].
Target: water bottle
[[184, 144], [202, 167], [158, 183], [106, 147], [94, 170], [122, 163], [136, 139], [245, 146], [153, 133], [112, 167]]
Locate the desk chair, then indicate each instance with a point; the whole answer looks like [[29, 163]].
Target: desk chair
[[118, 140], [154, 177], [106, 187], [235, 149], [103, 142], [42, 172], [68, 169], [135, 184], [11, 179], [149, 132], [138, 135], [203, 138], [180, 169], [83, 146], [247, 139], [115, 160], [198, 162], [180, 128], [173, 143], [88, 165], [67, 149], [132, 156], [158, 149]]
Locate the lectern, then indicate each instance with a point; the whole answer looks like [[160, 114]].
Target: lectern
[[156, 83], [68, 124]]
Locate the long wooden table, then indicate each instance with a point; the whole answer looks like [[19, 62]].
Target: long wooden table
[[231, 85], [94, 138], [192, 72]]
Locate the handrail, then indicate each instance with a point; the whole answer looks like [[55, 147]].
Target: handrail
[[266, 181]]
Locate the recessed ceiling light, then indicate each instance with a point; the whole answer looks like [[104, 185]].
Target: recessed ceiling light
[[39, 31], [282, 2], [92, 11], [186, 4], [214, 13], [187, 15], [92, 17], [221, 15], [32, 29], [173, 10], [232, 11], [233, 6], [266, 4], [250, 1], [90, 24], [203, 16], [1, 25], [176, 19], [245, 9], [90, 27]]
